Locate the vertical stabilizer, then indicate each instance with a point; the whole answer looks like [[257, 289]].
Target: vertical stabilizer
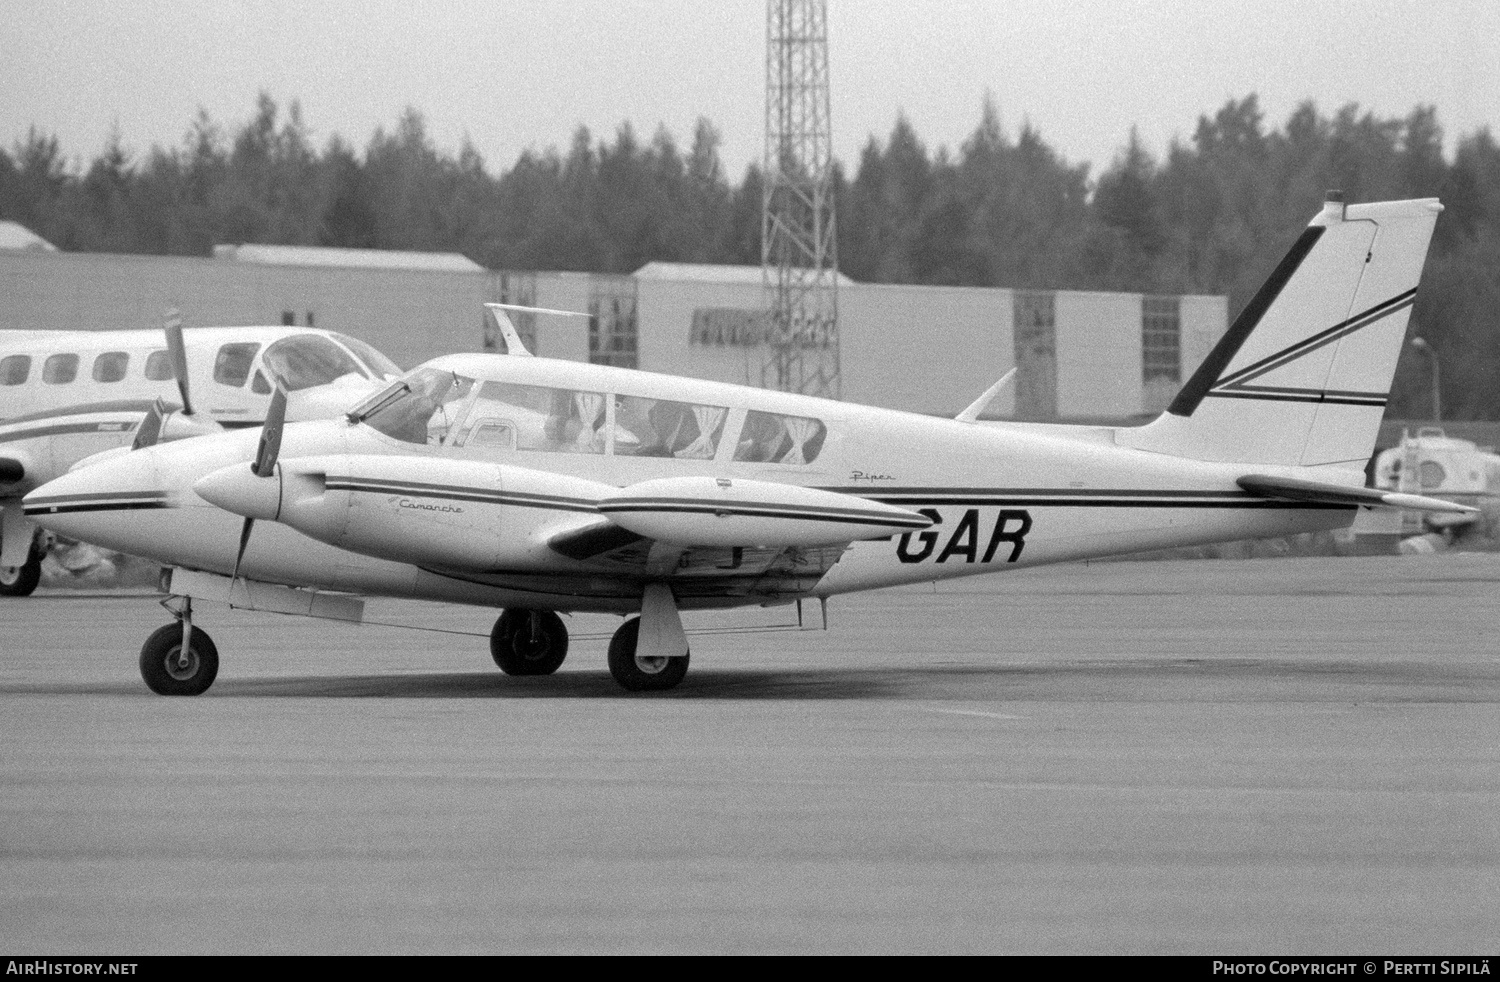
[[1303, 375]]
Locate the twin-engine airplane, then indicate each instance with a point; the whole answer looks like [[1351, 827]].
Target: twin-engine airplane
[[67, 395], [541, 486]]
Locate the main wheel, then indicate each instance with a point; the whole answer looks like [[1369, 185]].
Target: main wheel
[[641, 673], [20, 581], [167, 673], [529, 642]]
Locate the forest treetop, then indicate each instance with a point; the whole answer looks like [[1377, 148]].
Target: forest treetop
[[1212, 214]]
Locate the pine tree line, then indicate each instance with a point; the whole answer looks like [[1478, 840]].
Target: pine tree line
[[1212, 215]]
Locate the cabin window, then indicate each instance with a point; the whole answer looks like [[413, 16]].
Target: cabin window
[[15, 369], [662, 428], [307, 360], [535, 417], [232, 366], [60, 369], [774, 439], [259, 385], [110, 366], [159, 366]]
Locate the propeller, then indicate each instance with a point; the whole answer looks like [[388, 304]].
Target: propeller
[[264, 465], [164, 423], [177, 351], [148, 434]]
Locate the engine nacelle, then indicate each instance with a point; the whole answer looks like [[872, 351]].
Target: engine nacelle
[[450, 514]]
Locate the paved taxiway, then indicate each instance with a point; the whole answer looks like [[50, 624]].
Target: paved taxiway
[[1269, 756]]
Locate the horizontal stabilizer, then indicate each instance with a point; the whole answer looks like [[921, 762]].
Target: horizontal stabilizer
[[1294, 489]]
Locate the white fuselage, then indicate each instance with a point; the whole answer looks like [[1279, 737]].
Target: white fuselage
[[1002, 497]]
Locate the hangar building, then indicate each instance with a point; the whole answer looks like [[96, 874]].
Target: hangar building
[[920, 348]]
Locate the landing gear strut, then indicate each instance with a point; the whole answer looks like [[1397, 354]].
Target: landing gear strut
[[179, 659], [639, 672], [20, 581], [529, 642]]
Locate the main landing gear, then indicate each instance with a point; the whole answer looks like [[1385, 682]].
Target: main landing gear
[[529, 642], [535, 642], [179, 659], [639, 672], [20, 581]]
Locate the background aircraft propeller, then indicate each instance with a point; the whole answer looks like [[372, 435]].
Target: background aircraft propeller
[[148, 434], [177, 351]]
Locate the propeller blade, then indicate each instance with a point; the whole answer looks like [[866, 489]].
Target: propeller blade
[[270, 435], [148, 434], [177, 351], [240, 556]]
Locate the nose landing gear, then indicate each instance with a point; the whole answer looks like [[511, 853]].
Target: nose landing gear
[[178, 659]]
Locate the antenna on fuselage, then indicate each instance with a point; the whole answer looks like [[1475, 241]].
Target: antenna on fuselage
[[513, 343], [977, 406]]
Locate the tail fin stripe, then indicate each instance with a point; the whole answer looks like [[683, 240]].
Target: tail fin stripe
[[1223, 353], [1335, 333], [1305, 395]]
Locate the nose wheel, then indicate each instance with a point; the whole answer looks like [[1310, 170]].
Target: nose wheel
[[529, 642], [638, 672], [171, 670]]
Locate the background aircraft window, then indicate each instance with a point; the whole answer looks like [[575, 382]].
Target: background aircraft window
[[110, 366], [662, 428], [373, 359], [60, 369], [426, 405], [159, 366], [539, 418], [232, 366], [15, 369], [306, 360], [775, 439]]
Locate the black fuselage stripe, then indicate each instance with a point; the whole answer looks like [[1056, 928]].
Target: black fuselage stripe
[[639, 504], [94, 506], [99, 496], [1016, 502], [720, 510]]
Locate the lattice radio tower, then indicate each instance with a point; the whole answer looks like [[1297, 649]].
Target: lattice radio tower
[[799, 252]]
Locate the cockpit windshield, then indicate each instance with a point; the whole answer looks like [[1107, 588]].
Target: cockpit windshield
[[305, 360], [418, 409], [378, 363]]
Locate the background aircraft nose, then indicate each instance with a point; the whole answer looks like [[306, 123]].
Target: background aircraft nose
[[93, 503]]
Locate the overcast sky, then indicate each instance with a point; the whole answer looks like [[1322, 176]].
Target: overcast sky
[[513, 74]]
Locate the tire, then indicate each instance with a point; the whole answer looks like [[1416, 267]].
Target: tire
[[637, 674], [20, 581], [517, 653], [159, 665]]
